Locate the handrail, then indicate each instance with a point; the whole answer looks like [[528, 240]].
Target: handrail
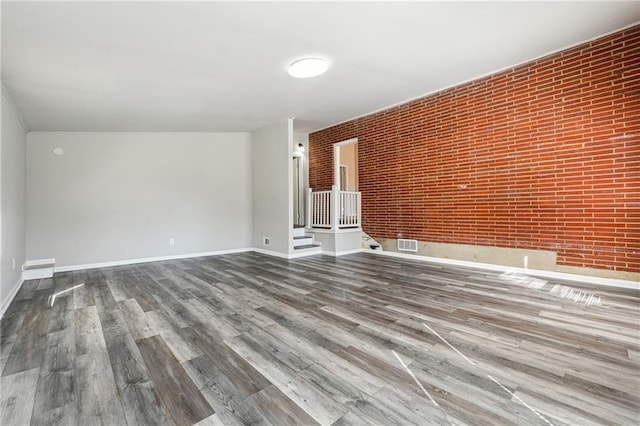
[[334, 209]]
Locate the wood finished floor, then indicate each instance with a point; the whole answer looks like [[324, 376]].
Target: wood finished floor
[[362, 339]]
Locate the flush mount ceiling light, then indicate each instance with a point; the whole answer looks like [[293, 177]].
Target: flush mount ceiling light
[[308, 67]]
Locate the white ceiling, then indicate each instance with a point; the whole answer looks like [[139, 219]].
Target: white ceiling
[[221, 66]]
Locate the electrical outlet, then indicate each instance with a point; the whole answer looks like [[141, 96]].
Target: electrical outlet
[[14, 263], [172, 241], [266, 241]]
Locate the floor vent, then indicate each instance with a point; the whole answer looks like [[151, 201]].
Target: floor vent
[[407, 245]]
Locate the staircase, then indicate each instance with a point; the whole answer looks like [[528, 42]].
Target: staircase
[[303, 244]]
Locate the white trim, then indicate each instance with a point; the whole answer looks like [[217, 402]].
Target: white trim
[[38, 274], [11, 296], [346, 142], [145, 260], [342, 253], [271, 253], [336, 159], [612, 282], [300, 253], [38, 262], [305, 252], [38, 269], [333, 231]]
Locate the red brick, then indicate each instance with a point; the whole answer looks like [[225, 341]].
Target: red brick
[[544, 149]]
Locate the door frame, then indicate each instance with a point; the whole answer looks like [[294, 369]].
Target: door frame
[[336, 158], [299, 194]]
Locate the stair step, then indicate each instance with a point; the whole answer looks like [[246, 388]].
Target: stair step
[[297, 232], [306, 246], [302, 240]]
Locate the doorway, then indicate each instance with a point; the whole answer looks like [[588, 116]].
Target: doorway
[[298, 192], [346, 165]]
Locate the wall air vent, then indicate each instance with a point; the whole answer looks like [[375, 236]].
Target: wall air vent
[[407, 245]]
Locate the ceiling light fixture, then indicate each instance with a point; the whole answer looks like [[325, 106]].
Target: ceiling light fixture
[[308, 67]]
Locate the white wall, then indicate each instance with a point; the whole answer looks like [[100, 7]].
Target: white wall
[[122, 196], [12, 199], [303, 138], [272, 187]]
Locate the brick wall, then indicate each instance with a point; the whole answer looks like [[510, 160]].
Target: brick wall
[[545, 156]]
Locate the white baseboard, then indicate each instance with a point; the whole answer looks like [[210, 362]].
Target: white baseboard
[[489, 266], [342, 253], [81, 267], [37, 274], [11, 296], [332, 231], [284, 255], [145, 260], [612, 282], [38, 269], [38, 262], [271, 253], [305, 252]]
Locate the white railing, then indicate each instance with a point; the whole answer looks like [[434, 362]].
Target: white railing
[[319, 209], [349, 209], [334, 209]]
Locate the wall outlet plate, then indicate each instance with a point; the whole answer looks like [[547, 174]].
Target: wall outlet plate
[[266, 241], [172, 241]]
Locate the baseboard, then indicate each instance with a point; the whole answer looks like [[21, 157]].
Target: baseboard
[[611, 282], [304, 253], [38, 269], [342, 253], [38, 263], [37, 274], [284, 255], [332, 231], [272, 253], [146, 260], [12, 295]]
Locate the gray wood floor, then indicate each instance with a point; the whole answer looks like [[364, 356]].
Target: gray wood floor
[[362, 339]]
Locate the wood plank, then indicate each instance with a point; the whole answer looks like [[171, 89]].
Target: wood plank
[[16, 397], [97, 396], [221, 393], [174, 337], [30, 344], [278, 409], [139, 400], [180, 396], [233, 366], [136, 320], [318, 404]]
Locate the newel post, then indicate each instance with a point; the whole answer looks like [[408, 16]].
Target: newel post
[[359, 207], [309, 207], [335, 207]]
